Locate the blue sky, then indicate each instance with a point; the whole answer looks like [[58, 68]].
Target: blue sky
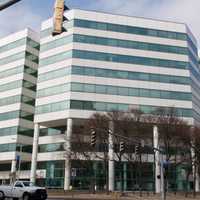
[[30, 13]]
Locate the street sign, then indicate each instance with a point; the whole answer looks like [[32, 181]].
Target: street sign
[[18, 158], [40, 174]]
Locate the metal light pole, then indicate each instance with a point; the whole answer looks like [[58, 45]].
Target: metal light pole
[[19, 168]]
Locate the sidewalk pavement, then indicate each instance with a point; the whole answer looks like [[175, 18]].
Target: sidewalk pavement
[[117, 196]]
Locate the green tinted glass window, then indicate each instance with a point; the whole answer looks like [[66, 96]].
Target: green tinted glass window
[[7, 147], [32, 57], [10, 100], [101, 89], [25, 131], [128, 44], [107, 73], [56, 43], [54, 74], [55, 58], [92, 105], [12, 58], [58, 89], [28, 100], [12, 45], [129, 29], [129, 59], [33, 44], [89, 88], [51, 147], [9, 115], [29, 85], [53, 107], [30, 71], [10, 86], [8, 131], [10, 72]]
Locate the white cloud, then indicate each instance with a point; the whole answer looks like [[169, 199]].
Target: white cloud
[[18, 18], [186, 11]]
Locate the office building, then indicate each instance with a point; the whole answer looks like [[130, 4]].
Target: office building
[[18, 77]]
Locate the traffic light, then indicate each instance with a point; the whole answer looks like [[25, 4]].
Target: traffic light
[[121, 147], [93, 138], [59, 17], [137, 149]]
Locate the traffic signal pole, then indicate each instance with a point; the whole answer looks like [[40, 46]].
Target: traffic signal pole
[[156, 149], [7, 4]]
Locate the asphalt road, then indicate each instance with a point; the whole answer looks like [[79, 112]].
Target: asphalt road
[[70, 198]]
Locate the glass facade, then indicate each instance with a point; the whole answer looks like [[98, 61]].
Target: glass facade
[[90, 55], [12, 45], [109, 73], [129, 29], [127, 91], [105, 106], [85, 80], [10, 100], [9, 115], [131, 176], [8, 131], [58, 89], [22, 65], [114, 43], [113, 90], [11, 72], [53, 107], [15, 147], [12, 58]]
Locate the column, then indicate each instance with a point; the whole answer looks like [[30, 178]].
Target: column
[[35, 153], [13, 171], [157, 158], [68, 154], [111, 163], [13, 166]]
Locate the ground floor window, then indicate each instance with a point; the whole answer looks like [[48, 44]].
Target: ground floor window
[[87, 175]]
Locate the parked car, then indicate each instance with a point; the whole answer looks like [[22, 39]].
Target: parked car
[[22, 190]]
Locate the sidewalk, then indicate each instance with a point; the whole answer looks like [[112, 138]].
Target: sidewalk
[[116, 196]]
